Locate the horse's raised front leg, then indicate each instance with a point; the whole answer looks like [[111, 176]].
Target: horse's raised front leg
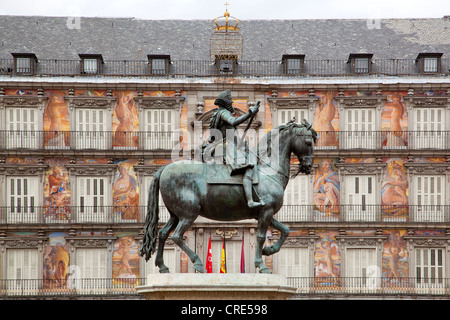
[[264, 221], [284, 230], [177, 237], [163, 235]]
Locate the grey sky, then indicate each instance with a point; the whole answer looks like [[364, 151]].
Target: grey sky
[[242, 9]]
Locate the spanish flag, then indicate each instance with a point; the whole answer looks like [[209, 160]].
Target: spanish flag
[[223, 260]]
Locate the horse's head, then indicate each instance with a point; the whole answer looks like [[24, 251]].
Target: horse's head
[[303, 146]]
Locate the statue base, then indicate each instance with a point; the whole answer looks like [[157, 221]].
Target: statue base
[[216, 286]]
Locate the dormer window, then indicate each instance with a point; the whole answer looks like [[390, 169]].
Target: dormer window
[[24, 63], [293, 63], [429, 62], [361, 63], [91, 63], [226, 66], [159, 64]]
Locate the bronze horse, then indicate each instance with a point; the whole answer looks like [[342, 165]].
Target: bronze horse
[[187, 195]]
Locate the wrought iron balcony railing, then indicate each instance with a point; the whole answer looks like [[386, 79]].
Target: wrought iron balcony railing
[[69, 287], [288, 213], [77, 214], [383, 140], [365, 213], [380, 286], [371, 285], [205, 68], [167, 140], [89, 140]]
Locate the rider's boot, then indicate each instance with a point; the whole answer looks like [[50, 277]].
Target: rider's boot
[[247, 181]]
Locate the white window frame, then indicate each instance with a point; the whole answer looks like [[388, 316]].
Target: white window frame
[[24, 200], [367, 275], [25, 282], [20, 133], [363, 208], [83, 280], [429, 274], [152, 138], [358, 135], [429, 128], [90, 210], [91, 130], [297, 199], [429, 197]]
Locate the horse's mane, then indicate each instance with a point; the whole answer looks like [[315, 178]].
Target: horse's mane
[[282, 128]]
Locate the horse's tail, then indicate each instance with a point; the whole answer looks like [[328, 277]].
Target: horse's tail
[[151, 220]]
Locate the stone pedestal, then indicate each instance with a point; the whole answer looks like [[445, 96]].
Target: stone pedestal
[[216, 286]]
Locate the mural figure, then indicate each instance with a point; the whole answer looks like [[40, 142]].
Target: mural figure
[[395, 136], [326, 266], [125, 113], [325, 113], [394, 189], [125, 193], [394, 251], [327, 188], [126, 260], [56, 262], [56, 111]]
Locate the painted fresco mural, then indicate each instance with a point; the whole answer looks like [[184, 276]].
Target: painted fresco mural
[[394, 191], [57, 195], [125, 261], [56, 261], [326, 190], [125, 192], [395, 258], [327, 261]]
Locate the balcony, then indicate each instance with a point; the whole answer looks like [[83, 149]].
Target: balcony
[[306, 286], [77, 214], [383, 140], [167, 140], [287, 214], [371, 286], [365, 213], [89, 140], [206, 68]]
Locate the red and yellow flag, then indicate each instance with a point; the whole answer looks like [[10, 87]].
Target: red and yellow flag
[[209, 257], [223, 260]]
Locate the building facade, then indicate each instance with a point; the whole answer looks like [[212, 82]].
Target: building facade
[[91, 108]]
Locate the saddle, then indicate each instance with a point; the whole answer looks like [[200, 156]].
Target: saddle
[[217, 173]]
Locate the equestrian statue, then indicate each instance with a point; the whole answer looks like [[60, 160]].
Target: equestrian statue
[[230, 182]]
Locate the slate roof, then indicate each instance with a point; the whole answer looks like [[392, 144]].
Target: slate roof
[[264, 40]]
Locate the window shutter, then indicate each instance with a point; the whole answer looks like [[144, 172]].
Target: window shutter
[[285, 115], [360, 126], [22, 197], [160, 124], [92, 262], [22, 264], [360, 197], [429, 127], [293, 262], [429, 198]]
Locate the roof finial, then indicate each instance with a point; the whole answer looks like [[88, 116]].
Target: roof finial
[[226, 14]]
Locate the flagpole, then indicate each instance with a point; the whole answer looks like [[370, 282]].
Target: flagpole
[[242, 253]]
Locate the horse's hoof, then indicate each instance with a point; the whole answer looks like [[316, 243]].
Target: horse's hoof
[[199, 268], [265, 270], [164, 270]]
